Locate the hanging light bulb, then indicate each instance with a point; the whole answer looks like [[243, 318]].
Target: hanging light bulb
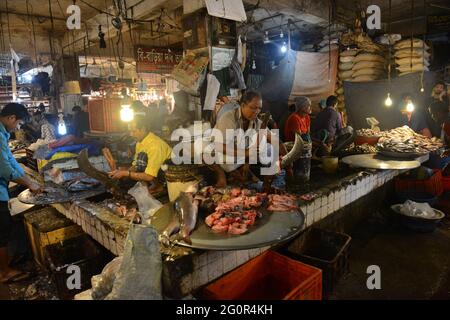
[[422, 89], [62, 129], [266, 37], [126, 113], [284, 48], [388, 101], [254, 65], [410, 107], [281, 34]]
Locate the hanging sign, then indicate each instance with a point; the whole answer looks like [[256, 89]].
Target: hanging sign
[[157, 60]]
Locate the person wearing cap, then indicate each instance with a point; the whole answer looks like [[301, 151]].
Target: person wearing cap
[[11, 116], [299, 121]]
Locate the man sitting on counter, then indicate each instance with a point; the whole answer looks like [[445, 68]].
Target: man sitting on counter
[[151, 153], [244, 117]]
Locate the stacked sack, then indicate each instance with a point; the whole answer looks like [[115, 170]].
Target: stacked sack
[[332, 37], [368, 67], [346, 62], [411, 57]]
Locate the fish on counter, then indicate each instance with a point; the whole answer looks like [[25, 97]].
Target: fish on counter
[[184, 220]]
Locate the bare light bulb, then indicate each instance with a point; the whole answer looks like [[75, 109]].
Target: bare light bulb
[[62, 129], [410, 107], [254, 65], [284, 48], [126, 113], [281, 34], [388, 101], [422, 89]]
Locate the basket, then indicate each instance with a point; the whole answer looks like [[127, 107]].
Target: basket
[[325, 250], [432, 186], [270, 276]]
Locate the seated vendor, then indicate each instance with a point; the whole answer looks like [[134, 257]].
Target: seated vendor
[[244, 117], [439, 112], [151, 153], [299, 121], [413, 118], [328, 122]]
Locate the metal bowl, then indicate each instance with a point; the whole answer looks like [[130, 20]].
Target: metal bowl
[[418, 224]]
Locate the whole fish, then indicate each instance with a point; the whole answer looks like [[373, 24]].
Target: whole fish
[[295, 152], [172, 228], [187, 210]]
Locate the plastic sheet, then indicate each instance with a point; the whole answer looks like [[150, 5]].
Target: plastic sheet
[[147, 204], [139, 275]]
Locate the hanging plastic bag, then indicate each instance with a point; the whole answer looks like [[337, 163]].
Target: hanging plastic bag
[[139, 275], [147, 204]]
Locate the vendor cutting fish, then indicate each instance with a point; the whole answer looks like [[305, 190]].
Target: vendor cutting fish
[[151, 153], [245, 118]]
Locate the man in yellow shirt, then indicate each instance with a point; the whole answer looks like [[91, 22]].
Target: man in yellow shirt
[[151, 153]]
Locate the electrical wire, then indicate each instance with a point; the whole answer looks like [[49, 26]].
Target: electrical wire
[[111, 42], [7, 17], [34, 32], [412, 33]]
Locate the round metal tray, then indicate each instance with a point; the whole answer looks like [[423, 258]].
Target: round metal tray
[[376, 161], [401, 155], [272, 228]]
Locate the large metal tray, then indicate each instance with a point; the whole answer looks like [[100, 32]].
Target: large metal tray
[[57, 196], [377, 161], [272, 228]]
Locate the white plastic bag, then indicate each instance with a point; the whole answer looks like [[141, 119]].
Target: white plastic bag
[[102, 284], [414, 209], [147, 204]]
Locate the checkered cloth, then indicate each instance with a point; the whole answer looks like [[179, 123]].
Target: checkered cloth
[[141, 162]]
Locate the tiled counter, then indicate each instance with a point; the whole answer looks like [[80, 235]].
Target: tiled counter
[[186, 274]]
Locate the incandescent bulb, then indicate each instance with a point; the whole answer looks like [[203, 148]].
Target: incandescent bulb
[[62, 129], [126, 113], [410, 107], [254, 65], [388, 101], [284, 48], [422, 89]]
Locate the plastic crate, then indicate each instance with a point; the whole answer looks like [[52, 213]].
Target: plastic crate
[[446, 183], [432, 186], [325, 250], [270, 276], [82, 252]]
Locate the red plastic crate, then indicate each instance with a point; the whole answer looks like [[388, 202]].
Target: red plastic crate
[[446, 183], [270, 276], [433, 185]]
